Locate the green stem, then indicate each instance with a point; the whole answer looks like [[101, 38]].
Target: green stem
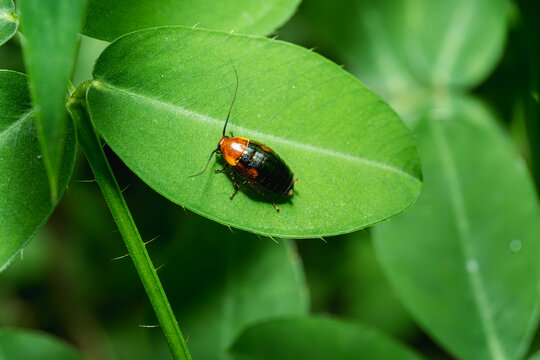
[[120, 212]]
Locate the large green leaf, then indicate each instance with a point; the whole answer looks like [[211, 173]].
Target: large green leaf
[[50, 29], [25, 203], [160, 98], [400, 47], [234, 280], [465, 259], [316, 338], [108, 20], [33, 345], [8, 21]]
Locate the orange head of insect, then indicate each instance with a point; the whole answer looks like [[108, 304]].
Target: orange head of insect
[[222, 143]]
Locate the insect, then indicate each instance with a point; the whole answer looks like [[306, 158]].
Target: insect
[[255, 163]]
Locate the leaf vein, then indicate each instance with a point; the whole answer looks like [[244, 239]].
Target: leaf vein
[[464, 232], [275, 139]]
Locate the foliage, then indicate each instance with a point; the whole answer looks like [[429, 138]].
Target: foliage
[[26, 201], [315, 338], [485, 265], [8, 20], [454, 276], [14, 344], [368, 141], [49, 61], [108, 21]]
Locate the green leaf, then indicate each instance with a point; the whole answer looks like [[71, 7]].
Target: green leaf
[[160, 98], [402, 46], [50, 29], [235, 279], [108, 20], [8, 21], [316, 338], [24, 187], [34, 345], [465, 258]]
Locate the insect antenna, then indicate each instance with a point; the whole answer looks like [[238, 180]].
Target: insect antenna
[[234, 98], [224, 127], [208, 162]]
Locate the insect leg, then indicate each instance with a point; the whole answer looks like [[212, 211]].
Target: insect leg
[[252, 184], [236, 185], [222, 170]]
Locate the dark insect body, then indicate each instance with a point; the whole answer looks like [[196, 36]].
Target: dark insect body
[[256, 163]]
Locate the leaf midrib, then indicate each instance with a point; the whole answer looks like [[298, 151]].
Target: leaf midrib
[[98, 84], [463, 227], [17, 123]]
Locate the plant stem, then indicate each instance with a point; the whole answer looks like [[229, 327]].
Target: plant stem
[[113, 196]]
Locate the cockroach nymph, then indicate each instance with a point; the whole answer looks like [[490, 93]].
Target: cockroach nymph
[[257, 164]]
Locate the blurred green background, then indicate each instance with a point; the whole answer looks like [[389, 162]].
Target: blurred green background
[[65, 282]]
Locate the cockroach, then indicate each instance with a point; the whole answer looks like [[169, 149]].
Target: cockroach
[[255, 163]]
